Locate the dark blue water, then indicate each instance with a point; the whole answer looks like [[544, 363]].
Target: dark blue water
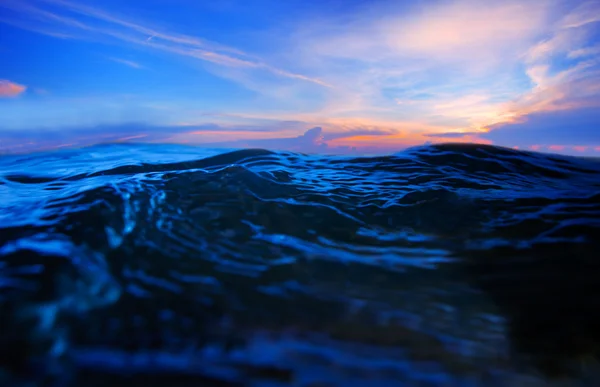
[[152, 265]]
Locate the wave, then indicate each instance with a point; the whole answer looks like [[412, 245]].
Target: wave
[[456, 264]]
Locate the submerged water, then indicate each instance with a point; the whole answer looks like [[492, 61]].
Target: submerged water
[[447, 265]]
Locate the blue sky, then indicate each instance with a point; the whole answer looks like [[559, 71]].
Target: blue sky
[[374, 75]]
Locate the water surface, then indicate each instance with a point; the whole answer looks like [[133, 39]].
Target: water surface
[[161, 265]]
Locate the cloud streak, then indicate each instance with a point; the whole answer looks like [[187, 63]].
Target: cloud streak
[[462, 65], [10, 89], [128, 63], [60, 15], [442, 66], [576, 84]]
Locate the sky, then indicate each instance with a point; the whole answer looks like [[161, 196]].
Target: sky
[[327, 76]]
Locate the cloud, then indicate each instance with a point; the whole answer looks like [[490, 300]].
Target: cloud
[[395, 75], [205, 134], [126, 62], [356, 132], [318, 141], [559, 112], [572, 150], [453, 31], [309, 142], [314, 140], [584, 52], [51, 137], [64, 16], [461, 65], [586, 13], [564, 68], [467, 31], [566, 127], [10, 89], [461, 55], [452, 134]]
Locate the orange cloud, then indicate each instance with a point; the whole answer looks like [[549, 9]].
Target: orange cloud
[[10, 89], [378, 141], [399, 141]]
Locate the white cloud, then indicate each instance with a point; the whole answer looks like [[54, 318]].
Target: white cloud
[[126, 62], [566, 86], [586, 13]]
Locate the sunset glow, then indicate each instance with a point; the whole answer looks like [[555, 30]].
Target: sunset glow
[[377, 75]]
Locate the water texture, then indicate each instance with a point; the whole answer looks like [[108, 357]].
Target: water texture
[[161, 265]]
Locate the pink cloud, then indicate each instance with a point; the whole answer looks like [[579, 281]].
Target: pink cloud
[[10, 89], [397, 53], [566, 149], [403, 50], [576, 86], [468, 28], [586, 13]]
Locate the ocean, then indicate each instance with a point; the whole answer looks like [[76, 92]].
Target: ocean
[[171, 265]]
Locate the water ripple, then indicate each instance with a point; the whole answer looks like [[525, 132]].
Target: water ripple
[[461, 265]]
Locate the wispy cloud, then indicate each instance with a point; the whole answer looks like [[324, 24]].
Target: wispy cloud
[[73, 19], [126, 62], [147, 33], [462, 54], [564, 71], [10, 89], [574, 85], [463, 65], [37, 138], [586, 13]]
